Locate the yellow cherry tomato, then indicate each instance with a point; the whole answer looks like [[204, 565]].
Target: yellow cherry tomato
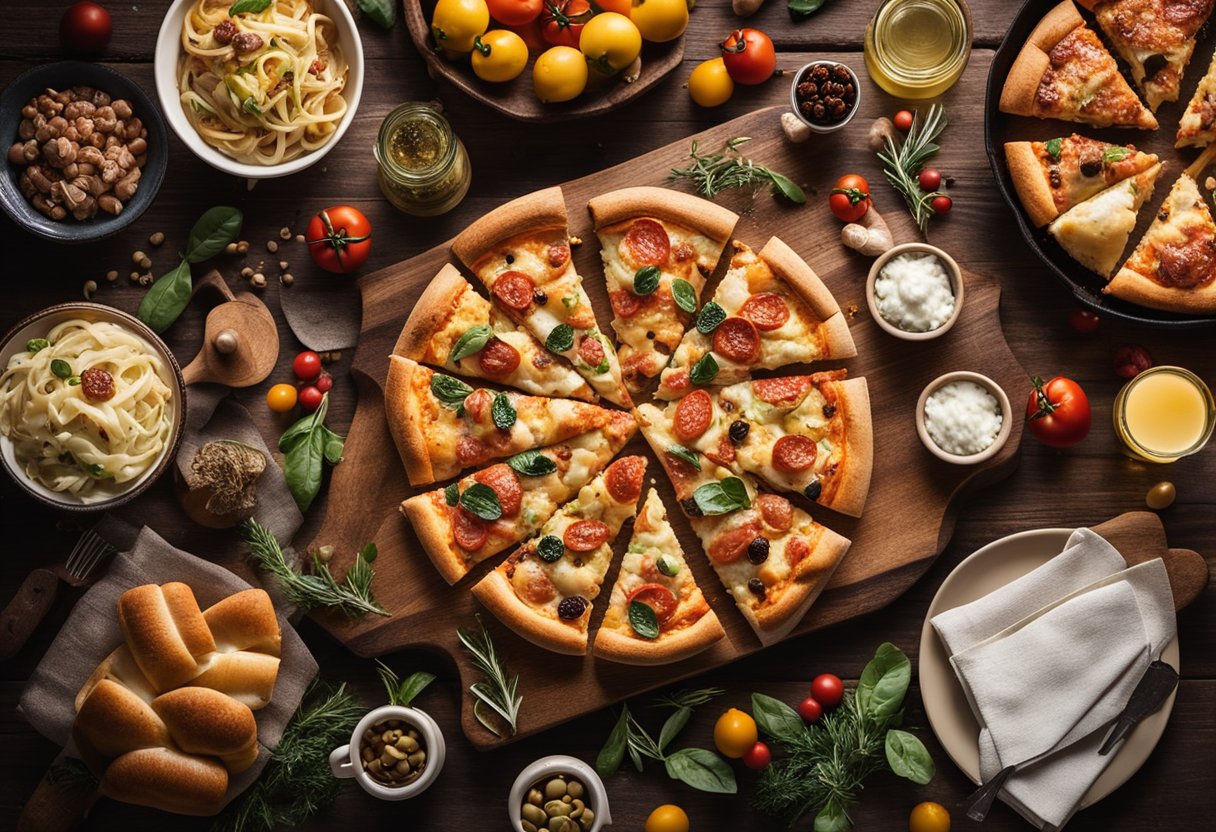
[[611, 42], [710, 84], [660, 20], [667, 818], [456, 23], [281, 398], [735, 733], [499, 55], [559, 74], [929, 817]]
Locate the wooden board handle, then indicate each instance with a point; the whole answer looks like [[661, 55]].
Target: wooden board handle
[[26, 611], [53, 808]]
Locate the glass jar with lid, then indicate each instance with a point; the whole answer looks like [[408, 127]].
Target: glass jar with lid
[[424, 169], [918, 48]]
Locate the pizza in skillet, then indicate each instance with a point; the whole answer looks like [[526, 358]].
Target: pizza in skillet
[[493, 509], [544, 589], [658, 248], [1198, 125], [1095, 232], [770, 309], [677, 622], [521, 252], [1064, 71]]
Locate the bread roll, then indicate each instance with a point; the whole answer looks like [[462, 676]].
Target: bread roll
[[165, 632], [205, 721], [118, 667], [247, 677], [167, 779], [113, 721], [245, 621]]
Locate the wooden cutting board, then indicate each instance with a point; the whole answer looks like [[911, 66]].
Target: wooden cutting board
[[908, 519]]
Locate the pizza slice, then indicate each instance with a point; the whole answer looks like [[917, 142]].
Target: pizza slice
[[770, 310], [1065, 72], [1174, 266], [1053, 176], [658, 246], [544, 589], [677, 621], [460, 526], [771, 556], [1155, 37], [442, 425], [1095, 232], [1198, 125], [521, 252], [454, 328]]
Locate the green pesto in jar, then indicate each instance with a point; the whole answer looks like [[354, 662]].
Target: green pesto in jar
[[424, 169]]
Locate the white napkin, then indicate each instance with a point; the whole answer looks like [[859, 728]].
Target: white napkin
[[1048, 661]]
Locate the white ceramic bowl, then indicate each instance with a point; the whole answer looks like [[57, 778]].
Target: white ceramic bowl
[[824, 128], [956, 283], [560, 764], [983, 381], [168, 51], [346, 763]]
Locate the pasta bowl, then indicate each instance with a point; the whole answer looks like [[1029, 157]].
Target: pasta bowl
[[107, 495], [168, 55]]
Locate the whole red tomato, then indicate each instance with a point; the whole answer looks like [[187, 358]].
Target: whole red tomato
[[827, 690], [562, 21], [339, 239], [758, 757], [850, 198], [85, 28], [1057, 412], [749, 56], [515, 12]]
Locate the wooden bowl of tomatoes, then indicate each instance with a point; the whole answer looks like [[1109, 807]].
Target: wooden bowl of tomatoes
[[547, 60]]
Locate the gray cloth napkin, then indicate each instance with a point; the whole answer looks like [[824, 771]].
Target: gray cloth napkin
[[92, 632], [323, 310]]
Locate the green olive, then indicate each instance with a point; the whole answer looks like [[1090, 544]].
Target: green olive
[[555, 788], [535, 797], [562, 824], [533, 814], [586, 819], [1161, 495], [575, 789], [555, 808], [528, 827], [579, 807]]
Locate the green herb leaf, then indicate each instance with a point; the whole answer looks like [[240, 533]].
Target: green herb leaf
[[451, 494], [216, 228], [334, 445], [480, 500], [61, 368], [402, 692], [722, 497], [883, 683], [550, 548], [784, 186], [704, 371], [532, 464], [711, 316], [451, 392], [668, 566], [908, 758], [502, 412], [1053, 148], [500, 690], [832, 818], [74, 381], [701, 769], [570, 301], [608, 761], [691, 457], [306, 445], [802, 9], [36, 345], [474, 340], [775, 718], [167, 298], [685, 296], [646, 280], [561, 339], [381, 12], [673, 726], [1115, 153], [643, 620], [241, 6]]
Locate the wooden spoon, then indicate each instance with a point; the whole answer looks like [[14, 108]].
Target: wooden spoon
[[240, 339]]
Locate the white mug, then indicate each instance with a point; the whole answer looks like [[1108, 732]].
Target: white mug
[[553, 766], [346, 762]]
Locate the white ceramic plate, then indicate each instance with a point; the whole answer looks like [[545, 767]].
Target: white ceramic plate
[[990, 568]]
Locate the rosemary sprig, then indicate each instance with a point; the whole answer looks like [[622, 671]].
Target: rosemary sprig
[[500, 691], [352, 596], [402, 691], [902, 162], [714, 173]]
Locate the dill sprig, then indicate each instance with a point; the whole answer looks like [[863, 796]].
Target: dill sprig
[[713, 173], [320, 589], [902, 162], [500, 691]]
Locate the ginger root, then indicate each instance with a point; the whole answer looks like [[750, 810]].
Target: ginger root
[[869, 236], [746, 8], [795, 129]]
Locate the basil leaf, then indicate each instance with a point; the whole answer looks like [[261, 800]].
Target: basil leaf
[[691, 457], [413, 685], [167, 298], [667, 566], [302, 469], [673, 726], [474, 340], [216, 228], [561, 339], [450, 391], [36, 345], [702, 770], [643, 620], [832, 818], [609, 760], [883, 683], [369, 553], [646, 280], [334, 445], [802, 9], [784, 186], [381, 12], [502, 412], [711, 316], [1053, 148], [908, 758], [776, 719], [532, 464], [481, 501], [550, 548], [61, 368], [241, 6], [1115, 154], [685, 296], [704, 371], [722, 497], [303, 426], [451, 494]]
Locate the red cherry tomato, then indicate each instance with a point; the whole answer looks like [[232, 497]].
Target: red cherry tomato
[[850, 198], [1083, 320], [562, 21], [339, 239], [749, 56], [307, 366], [941, 204], [827, 690], [1131, 360], [310, 398], [85, 28], [1057, 412], [515, 12], [758, 757], [324, 382], [810, 709], [930, 180], [903, 120]]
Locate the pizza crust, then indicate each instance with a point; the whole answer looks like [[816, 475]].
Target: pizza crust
[[431, 313], [434, 531], [404, 415], [853, 485], [538, 211], [775, 621], [1026, 171], [1022, 84], [795, 271], [1131, 286], [494, 591], [700, 215], [621, 647]]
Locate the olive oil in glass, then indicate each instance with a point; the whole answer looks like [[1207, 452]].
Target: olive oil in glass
[[424, 169], [918, 48]]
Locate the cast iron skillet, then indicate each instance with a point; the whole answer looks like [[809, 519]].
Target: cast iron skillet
[[1000, 127]]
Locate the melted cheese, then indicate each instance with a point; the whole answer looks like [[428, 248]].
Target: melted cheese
[[1095, 232]]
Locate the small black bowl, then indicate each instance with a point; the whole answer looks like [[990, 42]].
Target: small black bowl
[[61, 76]]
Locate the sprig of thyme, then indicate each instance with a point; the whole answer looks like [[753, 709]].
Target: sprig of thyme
[[902, 162], [500, 691], [714, 173]]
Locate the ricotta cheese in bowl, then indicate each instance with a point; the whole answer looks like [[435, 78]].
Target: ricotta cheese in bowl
[[915, 291], [963, 417]]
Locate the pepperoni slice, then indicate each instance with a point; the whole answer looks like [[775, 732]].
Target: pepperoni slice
[[693, 415], [767, 310], [514, 290], [624, 479], [469, 530], [498, 358], [586, 535], [470, 450], [647, 243], [658, 597], [777, 511], [729, 546], [794, 453], [559, 255], [506, 487], [737, 339], [477, 404], [787, 390], [97, 384], [624, 304], [677, 381], [591, 351], [797, 550]]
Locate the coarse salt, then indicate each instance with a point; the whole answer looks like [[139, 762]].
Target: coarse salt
[[962, 418], [914, 293]]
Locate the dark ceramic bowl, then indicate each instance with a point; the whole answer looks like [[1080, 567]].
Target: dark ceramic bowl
[[61, 76]]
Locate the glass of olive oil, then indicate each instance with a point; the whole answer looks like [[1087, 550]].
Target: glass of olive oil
[[424, 169], [918, 48], [1164, 414]]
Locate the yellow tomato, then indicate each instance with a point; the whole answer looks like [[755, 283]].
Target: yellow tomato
[[660, 20], [559, 74], [710, 83], [281, 398], [611, 42], [667, 818], [735, 733], [457, 22], [929, 817], [499, 55]]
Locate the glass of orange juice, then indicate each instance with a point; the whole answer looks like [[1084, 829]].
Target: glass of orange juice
[[1164, 414]]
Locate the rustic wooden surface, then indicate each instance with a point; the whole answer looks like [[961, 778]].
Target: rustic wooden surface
[[1050, 489]]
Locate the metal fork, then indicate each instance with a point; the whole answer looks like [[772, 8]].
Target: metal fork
[[30, 605]]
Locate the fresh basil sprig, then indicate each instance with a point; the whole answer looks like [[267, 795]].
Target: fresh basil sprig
[[561, 339], [450, 391], [170, 294], [685, 296], [451, 495], [532, 463], [643, 620], [680, 452], [480, 500], [550, 548], [502, 412], [474, 340], [646, 280], [730, 494], [306, 445], [704, 371], [711, 316], [241, 6], [381, 12], [775, 718]]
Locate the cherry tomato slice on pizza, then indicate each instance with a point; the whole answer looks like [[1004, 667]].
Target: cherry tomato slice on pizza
[[777, 511], [658, 597], [513, 290], [469, 530], [498, 358]]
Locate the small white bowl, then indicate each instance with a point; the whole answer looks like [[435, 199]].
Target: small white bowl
[[168, 51], [983, 381], [824, 128], [956, 283], [552, 766], [346, 763]]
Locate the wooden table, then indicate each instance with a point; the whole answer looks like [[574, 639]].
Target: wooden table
[[1080, 486]]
